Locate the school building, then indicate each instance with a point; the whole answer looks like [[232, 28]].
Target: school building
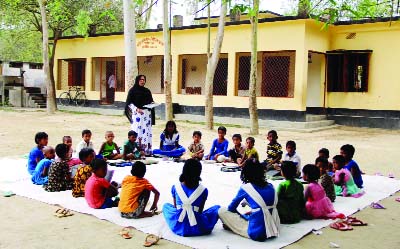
[[347, 72]]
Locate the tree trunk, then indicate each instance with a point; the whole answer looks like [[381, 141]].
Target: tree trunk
[[51, 107], [51, 67], [211, 66], [131, 69], [167, 63], [253, 71]]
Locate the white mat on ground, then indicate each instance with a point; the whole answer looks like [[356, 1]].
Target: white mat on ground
[[222, 188]]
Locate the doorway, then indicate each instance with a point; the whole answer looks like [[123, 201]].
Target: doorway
[[315, 81]]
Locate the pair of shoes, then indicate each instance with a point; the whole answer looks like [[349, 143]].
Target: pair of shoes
[[376, 205], [353, 221], [63, 212], [341, 226], [126, 232], [150, 240]]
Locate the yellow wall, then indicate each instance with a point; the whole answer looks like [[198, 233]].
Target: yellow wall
[[384, 82]]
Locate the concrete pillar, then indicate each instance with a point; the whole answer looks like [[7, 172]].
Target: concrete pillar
[[88, 74], [231, 91], [15, 96]]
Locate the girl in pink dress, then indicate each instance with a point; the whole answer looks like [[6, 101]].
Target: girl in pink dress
[[318, 204]]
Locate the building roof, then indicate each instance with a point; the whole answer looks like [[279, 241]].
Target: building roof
[[261, 12], [261, 20]]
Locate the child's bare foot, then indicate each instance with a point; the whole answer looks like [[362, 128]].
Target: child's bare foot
[[146, 214]]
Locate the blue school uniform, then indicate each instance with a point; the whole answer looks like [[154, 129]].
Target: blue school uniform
[[201, 223], [169, 146], [219, 148], [256, 229], [35, 153], [356, 177], [37, 177]]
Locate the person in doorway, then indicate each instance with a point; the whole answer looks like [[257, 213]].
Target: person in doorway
[[111, 83]]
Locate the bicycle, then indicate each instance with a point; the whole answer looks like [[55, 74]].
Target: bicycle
[[79, 98]]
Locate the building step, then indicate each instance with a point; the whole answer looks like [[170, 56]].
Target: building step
[[312, 117], [33, 89]]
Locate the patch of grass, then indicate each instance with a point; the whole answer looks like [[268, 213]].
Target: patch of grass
[[78, 112], [215, 124]]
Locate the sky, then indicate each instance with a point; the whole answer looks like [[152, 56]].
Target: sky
[[178, 8]]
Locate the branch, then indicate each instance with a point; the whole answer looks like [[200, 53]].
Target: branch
[[204, 7]]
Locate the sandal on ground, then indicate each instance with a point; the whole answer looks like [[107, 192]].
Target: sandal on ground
[[397, 199], [125, 233], [63, 212], [8, 194], [150, 240], [352, 221], [376, 205], [341, 226]]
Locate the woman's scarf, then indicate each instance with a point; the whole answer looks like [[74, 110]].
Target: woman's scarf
[[139, 96]]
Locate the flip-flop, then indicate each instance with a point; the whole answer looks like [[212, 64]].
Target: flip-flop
[[341, 226], [352, 221], [376, 205], [8, 193], [125, 233], [150, 240], [391, 175], [63, 212], [156, 212], [397, 199]]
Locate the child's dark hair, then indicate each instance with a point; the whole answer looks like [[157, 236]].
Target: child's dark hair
[[322, 160], [312, 172], [61, 150], [291, 144], [65, 138], [251, 139], [138, 169], [238, 136], [84, 153], [132, 133], [191, 173], [253, 172], [170, 123], [198, 133], [273, 132], [349, 149], [86, 131], [97, 164], [340, 160], [222, 128], [39, 136], [324, 151], [289, 170]]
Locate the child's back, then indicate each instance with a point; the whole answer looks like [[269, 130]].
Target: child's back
[[38, 178], [132, 187], [290, 201], [59, 175]]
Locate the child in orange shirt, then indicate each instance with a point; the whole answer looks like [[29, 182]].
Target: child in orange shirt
[[135, 194]]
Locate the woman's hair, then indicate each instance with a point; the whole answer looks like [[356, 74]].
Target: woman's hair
[[39, 136], [138, 169], [340, 160], [289, 169], [61, 150], [84, 153], [253, 172], [291, 144], [170, 123], [312, 172], [238, 136], [138, 78], [191, 173], [97, 164], [349, 149], [222, 128]]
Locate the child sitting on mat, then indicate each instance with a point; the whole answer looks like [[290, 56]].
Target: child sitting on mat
[[196, 148], [86, 155], [98, 191], [290, 195], [186, 216], [84, 143], [109, 149], [325, 180], [250, 152], [36, 154], [347, 151], [263, 220], [324, 153], [219, 146], [293, 156], [71, 161], [344, 183], [59, 178], [169, 142], [318, 205], [237, 151], [135, 194], [40, 176], [274, 153], [131, 148]]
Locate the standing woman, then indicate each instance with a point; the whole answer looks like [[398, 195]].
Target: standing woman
[[141, 118]]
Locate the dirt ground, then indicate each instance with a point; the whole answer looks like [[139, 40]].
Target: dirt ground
[[27, 223]]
